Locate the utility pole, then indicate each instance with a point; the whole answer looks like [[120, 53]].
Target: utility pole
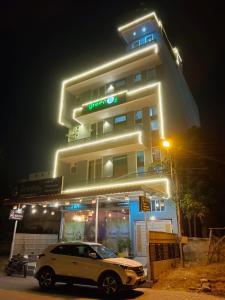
[[176, 193], [176, 190]]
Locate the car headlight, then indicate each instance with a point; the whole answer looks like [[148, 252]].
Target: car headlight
[[125, 267]]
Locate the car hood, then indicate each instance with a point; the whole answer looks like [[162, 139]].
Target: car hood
[[123, 261]]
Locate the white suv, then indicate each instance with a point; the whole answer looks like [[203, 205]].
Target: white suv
[[87, 263]]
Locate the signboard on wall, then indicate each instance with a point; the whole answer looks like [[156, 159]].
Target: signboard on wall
[[103, 103], [47, 186], [144, 204]]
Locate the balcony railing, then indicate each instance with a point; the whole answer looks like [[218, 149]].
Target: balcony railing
[[124, 129], [132, 176]]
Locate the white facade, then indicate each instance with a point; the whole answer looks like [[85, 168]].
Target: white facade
[[117, 114]]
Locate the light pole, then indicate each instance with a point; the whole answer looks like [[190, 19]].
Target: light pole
[[166, 144]]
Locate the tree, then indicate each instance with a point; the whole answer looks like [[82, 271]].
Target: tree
[[196, 184]]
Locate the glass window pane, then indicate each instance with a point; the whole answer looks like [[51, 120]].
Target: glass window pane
[[154, 125], [137, 77], [140, 161], [149, 38], [151, 74], [162, 205], [152, 205], [152, 111], [135, 44], [155, 154], [120, 83], [157, 205], [120, 119], [138, 116]]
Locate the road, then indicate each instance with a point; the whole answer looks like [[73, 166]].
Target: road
[[18, 288]]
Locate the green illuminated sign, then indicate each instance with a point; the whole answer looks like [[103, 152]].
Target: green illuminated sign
[[103, 103]]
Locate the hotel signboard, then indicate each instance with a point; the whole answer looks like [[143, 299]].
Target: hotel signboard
[[16, 214], [103, 103], [32, 188]]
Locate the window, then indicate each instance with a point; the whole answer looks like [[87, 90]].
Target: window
[[101, 91], [137, 77], [151, 74], [157, 205], [82, 251], [149, 38], [135, 44], [109, 88], [120, 167], [62, 250], [156, 154], [140, 161], [94, 94], [120, 83], [93, 129], [154, 125], [152, 111], [120, 119], [73, 170], [138, 116]]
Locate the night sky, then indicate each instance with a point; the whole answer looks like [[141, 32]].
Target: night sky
[[44, 42]]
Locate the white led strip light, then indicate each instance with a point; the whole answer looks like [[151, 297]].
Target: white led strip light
[[100, 68], [100, 141], [122, 184], [136, 21]]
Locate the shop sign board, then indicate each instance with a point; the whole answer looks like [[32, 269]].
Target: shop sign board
[[103, 103], [144, 204], [16, 214], [47, 186]]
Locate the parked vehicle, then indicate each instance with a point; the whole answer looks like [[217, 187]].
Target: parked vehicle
[[17, 265], [87, 263]]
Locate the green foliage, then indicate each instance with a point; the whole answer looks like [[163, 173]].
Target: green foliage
[[123, 244], [196, 183]]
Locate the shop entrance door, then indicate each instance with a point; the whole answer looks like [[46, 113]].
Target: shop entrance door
[[140, 236]]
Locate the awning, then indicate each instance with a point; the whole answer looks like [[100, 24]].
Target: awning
[[154, 186]]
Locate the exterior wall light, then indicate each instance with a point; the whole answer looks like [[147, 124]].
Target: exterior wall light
[[33, 211]]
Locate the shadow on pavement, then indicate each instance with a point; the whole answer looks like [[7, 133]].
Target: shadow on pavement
[[85, 292]]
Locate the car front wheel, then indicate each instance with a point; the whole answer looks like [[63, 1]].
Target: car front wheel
[[46, 279], [110, 284]]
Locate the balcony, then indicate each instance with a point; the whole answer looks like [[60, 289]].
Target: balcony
[[128, 100], [124, 129], [153, 182], [113, 143]]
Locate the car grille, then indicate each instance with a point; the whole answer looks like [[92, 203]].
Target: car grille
[[138, 270]]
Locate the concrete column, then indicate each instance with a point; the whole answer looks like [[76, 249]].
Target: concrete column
[[96, 220]]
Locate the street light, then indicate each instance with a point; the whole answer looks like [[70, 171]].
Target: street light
[[167, 144]]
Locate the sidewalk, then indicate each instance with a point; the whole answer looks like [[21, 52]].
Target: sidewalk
[[143, 294]]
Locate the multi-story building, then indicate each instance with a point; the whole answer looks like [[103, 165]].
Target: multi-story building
[[116, 114]]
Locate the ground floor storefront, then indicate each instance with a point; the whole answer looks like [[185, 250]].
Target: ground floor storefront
[[117, 222], [114, 220]]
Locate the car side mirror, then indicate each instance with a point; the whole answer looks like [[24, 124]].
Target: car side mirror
[[92, 255]]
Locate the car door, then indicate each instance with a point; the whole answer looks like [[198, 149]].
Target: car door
[[84, 266], [61, 260]]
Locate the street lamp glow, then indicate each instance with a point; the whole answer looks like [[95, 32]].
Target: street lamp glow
[[166, 144]]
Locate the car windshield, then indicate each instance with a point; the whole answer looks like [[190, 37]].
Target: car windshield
[[104, 252]]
